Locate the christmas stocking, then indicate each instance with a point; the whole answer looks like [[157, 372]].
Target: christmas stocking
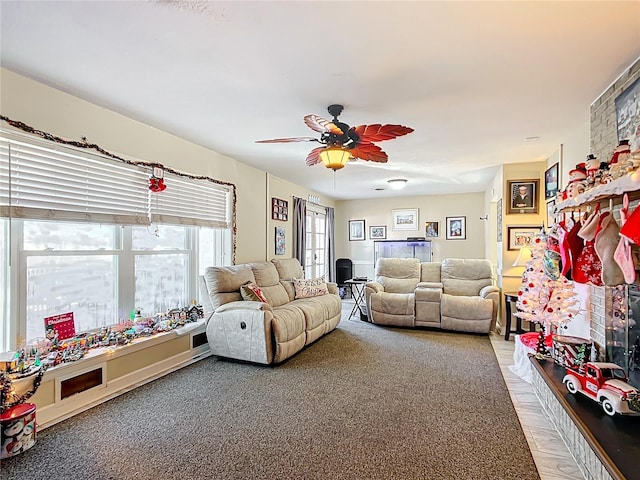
[[622, 254], [607, 240]]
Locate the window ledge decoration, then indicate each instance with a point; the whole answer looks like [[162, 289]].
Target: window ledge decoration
[[156, 182]]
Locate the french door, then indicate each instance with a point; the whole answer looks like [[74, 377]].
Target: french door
[[316, 246]]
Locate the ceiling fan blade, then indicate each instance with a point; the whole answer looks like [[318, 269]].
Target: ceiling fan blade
[[322, 125], [378, 132], [288, 140], [369, 151], [314, 156]]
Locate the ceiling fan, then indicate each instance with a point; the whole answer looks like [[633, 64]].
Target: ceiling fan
[[342, 142]]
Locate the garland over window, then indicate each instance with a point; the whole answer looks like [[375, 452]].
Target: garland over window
[[54, 178]]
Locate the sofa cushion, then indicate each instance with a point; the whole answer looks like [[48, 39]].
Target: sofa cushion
[[398, 275], [252, 293], [288, 269], [430, 272], [223, 283], [266, 276], [312, 287], [465, 276]]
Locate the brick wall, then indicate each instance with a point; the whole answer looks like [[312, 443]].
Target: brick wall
[[604, 136]]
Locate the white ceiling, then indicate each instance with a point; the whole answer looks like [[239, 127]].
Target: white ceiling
[[473, 79]]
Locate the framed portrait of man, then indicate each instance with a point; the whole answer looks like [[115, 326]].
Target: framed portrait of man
[[523, 196]]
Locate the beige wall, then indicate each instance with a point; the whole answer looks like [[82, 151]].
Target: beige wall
[[430, 208], [69, 117]]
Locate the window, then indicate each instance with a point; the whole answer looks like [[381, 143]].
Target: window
[[66, 247], [315, 254]]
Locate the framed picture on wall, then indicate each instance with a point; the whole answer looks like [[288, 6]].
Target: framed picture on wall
[[628, 115], [279, 209], [280, 241], [378, 232], [523, 196], [431, 229], [551, 182], [521, 236], [356, 230], [456, 228], [405, 219]]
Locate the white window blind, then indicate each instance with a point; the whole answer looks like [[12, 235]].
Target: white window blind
[[44, 180], [41, 179], [191, 202]]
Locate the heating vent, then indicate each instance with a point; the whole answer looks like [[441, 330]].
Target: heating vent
[[80, 383], [198, 339]]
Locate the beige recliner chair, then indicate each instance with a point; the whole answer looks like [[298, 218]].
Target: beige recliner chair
[[456, 294]]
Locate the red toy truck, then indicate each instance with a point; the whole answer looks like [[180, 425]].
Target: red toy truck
[[606, 383]]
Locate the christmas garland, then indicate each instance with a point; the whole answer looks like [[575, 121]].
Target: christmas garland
[[8, 399], [84, 144]]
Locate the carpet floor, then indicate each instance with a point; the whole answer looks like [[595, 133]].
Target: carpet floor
[[364, 402]]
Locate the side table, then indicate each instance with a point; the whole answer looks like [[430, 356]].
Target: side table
[[357, 290], [509, 298]]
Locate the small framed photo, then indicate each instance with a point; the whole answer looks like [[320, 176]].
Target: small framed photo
[[356, 230], [551, 215], [405, 219], [551, 182], [280, 241], [279, 209], [519, 236], [523, 196], [431, 229], [378, 232], [456, 228]]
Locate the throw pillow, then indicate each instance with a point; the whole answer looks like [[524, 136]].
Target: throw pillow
[[310, 288], [252, 293]]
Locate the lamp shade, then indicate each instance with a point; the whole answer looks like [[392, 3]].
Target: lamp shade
[[334, 157], [397, 183], [524, 255]]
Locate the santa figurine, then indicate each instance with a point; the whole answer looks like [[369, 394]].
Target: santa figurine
[[618, 164]]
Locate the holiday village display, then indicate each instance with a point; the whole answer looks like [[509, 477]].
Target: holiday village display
[[21, 371]]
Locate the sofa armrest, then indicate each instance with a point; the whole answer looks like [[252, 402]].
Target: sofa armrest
[[488, 290], [243, 305], [430, 285], [374, 287], [332, 287]]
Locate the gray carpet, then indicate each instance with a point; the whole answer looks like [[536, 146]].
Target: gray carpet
[[364, 402]]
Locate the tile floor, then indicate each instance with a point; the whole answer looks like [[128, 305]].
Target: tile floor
[[551, 455], [549, 452]]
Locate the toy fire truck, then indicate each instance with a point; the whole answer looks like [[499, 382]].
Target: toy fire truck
[[605, 383]]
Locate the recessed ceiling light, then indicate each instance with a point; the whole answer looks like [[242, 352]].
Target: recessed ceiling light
[[379, 189], [397, 183]]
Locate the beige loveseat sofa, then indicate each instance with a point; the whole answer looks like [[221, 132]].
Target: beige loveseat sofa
[[455, 294], [266, 332]]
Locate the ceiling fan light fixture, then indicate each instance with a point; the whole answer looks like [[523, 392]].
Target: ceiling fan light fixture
[[397, 183], [334, 157]]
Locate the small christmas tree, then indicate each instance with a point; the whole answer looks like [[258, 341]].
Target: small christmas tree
[[544, 300]]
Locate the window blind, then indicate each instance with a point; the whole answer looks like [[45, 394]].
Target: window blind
[[40, 179], [189, 201], [44, 180]]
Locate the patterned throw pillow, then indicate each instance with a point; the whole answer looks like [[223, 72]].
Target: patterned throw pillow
[[252, 293], [310, 288]]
